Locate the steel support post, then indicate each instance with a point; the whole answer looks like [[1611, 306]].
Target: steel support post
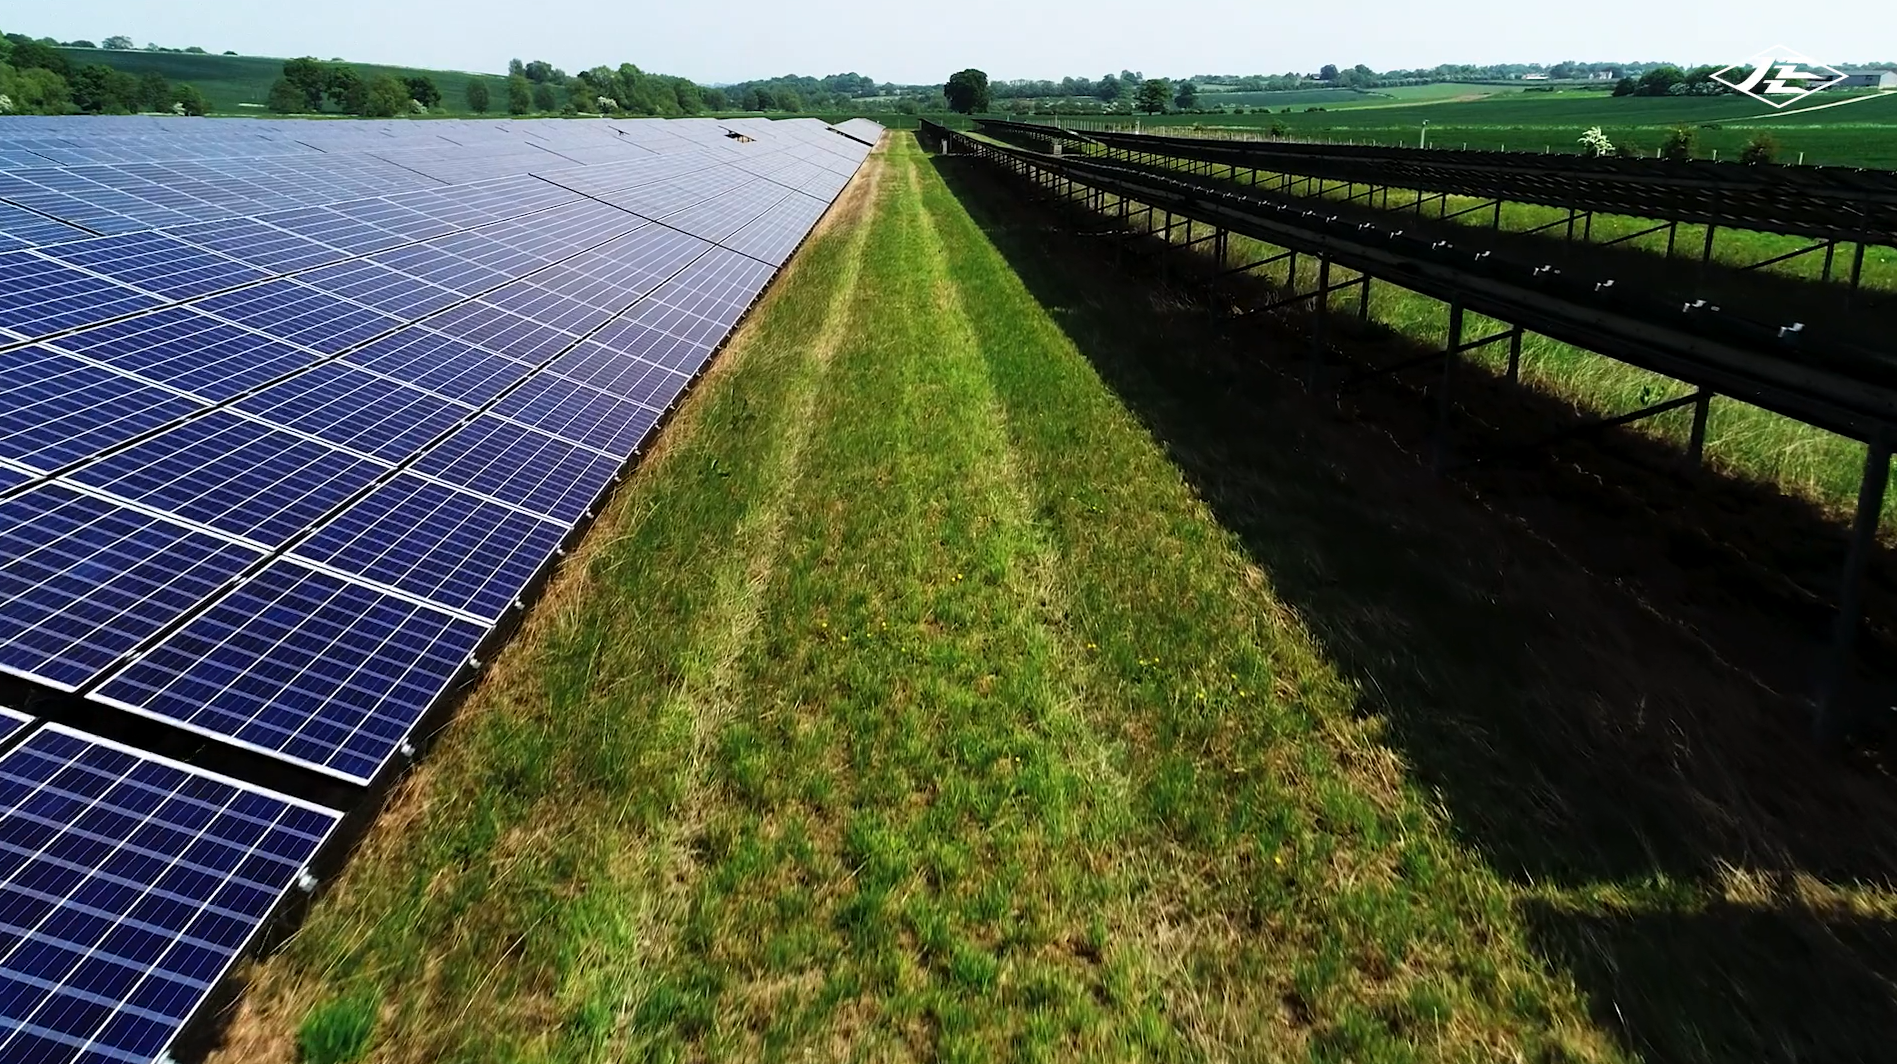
[[1833, 722], [1696, 443], [1857, 266], [1320, 311], [1440, 457], [1672, 230], [1706, 254], [1831, 249], [1496, 221], [1587, 228], [1515, 354], [1363, 300]]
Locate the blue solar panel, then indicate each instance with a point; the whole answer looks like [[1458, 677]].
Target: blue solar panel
[[441, 364], [11, 721], [39, 296], [184, 349], [575, 412], [303, 664], [128, 885], [521, 466], [350, 408], [441, 544], [529, 300], [236, 475], [621, 372], [55, 409], [34, 229], [449, 271], [158, 264], [322, 224], [393, 293], [300, 314], [502, 332], [83, 581], [12, 478], [260, 245]]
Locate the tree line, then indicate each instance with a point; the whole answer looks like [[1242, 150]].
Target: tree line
[[37, 78], [309, 86]]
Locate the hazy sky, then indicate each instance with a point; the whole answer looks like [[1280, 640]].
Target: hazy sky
[[733, 40]]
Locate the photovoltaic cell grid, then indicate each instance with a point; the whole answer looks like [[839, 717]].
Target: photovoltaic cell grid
[[128, 886], [291, 416]]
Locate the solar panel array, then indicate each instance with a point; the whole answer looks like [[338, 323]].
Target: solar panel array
[[292, 414]]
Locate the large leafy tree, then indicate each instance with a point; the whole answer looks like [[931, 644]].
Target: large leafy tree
[[1154, 95], [309, 76], [98, 89], [520, 94], [191, 100], [423, 90], [286, 99], [154, 92], [1187, 97], [477, 96], [347, 90], [967, 91], [384, 96], [118, 43], [545, 99]]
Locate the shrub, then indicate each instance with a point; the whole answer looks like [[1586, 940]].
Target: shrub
[[1595, 145], [1679, 144], [1762, 148]]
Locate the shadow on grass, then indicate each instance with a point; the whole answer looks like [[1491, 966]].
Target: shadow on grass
[[1578, 738]]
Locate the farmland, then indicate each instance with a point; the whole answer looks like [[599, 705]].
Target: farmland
[[239, 84], [1856, 134]]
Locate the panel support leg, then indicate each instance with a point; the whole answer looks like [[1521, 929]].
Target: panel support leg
[[1439, 459], [1320, 310], [1696, 443], [1833, 724], [1515, 355]]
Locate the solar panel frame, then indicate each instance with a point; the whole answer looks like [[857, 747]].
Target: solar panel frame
[[294, 662], [143, 880]]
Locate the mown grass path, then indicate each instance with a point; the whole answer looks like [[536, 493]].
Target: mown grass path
[[908, 705]]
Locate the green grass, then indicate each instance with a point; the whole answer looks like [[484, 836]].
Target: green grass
[[909, 704], [240, 84]]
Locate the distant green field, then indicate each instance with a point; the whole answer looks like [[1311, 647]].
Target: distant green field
[[1863, 133], [1329, 98], [231, 82]]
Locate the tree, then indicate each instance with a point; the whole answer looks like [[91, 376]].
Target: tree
[[310, 77], [1564, 70], [118, 43], [1154, 95], [346, 89], [1328, 72], [1762, 148], [544, 98], [195, 50], [1626, 87], [967, 91], [98, 89], [30, 54], [80, 44], [1109, 89], [1660, 80], [286, 99], [190, 100], [385, 96], [154, 92], [541, 72], [477, 96], [423, 91], [520, 94], [1188, 96]]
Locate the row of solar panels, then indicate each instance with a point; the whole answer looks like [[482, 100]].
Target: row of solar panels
[[47, 204], [273, 480]]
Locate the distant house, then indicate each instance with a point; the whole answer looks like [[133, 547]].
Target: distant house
[[1869, 79], [1534, 77]]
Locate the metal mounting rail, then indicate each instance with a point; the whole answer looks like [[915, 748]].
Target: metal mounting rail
[[1828, 203], [1846, 390]]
